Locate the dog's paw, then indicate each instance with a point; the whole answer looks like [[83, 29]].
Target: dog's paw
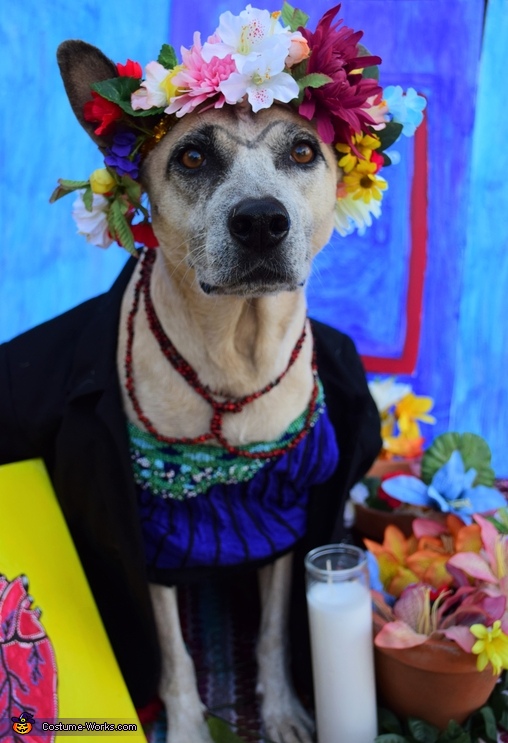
[[285, 720], [186, 721]]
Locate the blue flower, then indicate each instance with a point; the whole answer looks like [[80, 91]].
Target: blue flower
[[451, 491], [119, 155], [405, 109]]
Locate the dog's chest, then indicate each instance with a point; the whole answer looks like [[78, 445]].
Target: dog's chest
[[174, 406]]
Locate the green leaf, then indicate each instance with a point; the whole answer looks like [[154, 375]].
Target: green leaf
[[88, 199], [132, 189], [489, 720], [474, 450], [117, 89], [293, 17], [389, 134], [119, 227], [373, 70], [391, 738], [300, 69], [314, 80], [221, 731], [454, 733], [387, 721], [72, 185], [386, 160], [167, 57], [64, 187], [422, 731]]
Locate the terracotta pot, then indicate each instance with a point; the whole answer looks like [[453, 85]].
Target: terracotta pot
[[382, 467], [436, 682], [371, 523]]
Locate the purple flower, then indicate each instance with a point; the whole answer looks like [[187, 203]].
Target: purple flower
[[118, 156]]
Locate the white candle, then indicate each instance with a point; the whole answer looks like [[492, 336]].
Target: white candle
[[340, 618]]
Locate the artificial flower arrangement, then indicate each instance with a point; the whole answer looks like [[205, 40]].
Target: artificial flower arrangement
[[263, 58], [443, 587], [400, 410]]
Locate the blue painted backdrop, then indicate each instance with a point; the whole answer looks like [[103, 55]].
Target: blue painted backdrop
[[360, 284]]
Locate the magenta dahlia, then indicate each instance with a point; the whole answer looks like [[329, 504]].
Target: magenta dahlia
[[340, 107]]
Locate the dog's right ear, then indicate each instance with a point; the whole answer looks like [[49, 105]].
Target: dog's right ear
[[81, 65]]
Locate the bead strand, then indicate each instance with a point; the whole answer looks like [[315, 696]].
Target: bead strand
[[180, 365]]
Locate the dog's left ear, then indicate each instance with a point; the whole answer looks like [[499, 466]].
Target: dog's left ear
[[81, 65]]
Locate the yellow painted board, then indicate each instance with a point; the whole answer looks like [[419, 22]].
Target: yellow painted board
[[35, 542]]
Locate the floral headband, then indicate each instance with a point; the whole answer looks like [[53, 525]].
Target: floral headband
[[264, 58]]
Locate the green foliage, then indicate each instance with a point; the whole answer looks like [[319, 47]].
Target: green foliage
[[389, 135], [371, 72], [119, 90], [482, 726], [293, 17], [221, 732], [373, 500], [119, 227], [501, 520], [474, 450], [167, 57], [314, 80], [88, 199], [64, 187]]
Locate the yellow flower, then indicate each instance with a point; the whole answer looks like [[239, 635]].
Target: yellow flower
[[411, 409], [101, 181], [362, 182], [167, 84], [491, 646], [402, 446], [364, 143]]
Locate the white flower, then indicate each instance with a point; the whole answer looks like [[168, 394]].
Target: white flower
[[354, 214], [152, 91], [262, 81], [248, 35], [388, 392], [93, 225], [405, 109]]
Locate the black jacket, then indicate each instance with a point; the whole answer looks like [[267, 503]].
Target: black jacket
[[60, 400]]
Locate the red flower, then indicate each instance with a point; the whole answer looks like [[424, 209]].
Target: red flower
[[378, 160], [392, 502], [103, 111], [144, 234], [338, 106], [130, 69]]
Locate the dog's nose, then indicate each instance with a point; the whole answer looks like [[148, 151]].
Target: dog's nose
[[259, 224]]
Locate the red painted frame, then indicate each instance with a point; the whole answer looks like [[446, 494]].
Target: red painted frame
[[406, 362]]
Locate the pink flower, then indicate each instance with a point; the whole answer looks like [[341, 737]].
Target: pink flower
[[199, 80], [339, 107]]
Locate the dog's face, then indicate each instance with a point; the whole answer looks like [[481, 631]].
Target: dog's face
[[242, 202]]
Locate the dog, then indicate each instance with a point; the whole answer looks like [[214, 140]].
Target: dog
[[241, 204], [202, 352]]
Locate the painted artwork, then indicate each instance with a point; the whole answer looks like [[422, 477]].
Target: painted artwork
[[28, 673], [49, 622], [423, 293]]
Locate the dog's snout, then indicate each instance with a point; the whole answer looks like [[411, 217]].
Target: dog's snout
[[259, 224]]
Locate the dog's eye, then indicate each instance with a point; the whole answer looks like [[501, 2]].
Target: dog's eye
[[192, 158], [303, 153]]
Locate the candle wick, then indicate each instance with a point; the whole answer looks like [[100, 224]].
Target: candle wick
[[329, 568]]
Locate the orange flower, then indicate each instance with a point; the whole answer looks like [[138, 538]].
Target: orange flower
[[422, 557]]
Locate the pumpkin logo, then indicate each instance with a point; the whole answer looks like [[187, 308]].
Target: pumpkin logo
[[23, 724]]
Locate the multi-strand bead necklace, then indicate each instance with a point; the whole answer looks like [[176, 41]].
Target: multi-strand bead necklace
[[219, 407]]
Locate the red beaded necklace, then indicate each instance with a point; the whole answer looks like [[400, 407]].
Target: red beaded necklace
[[189, 374]]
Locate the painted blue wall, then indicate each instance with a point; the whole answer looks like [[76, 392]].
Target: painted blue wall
[[359, 284]]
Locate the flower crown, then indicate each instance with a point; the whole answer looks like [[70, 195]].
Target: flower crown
[[264, 58]]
